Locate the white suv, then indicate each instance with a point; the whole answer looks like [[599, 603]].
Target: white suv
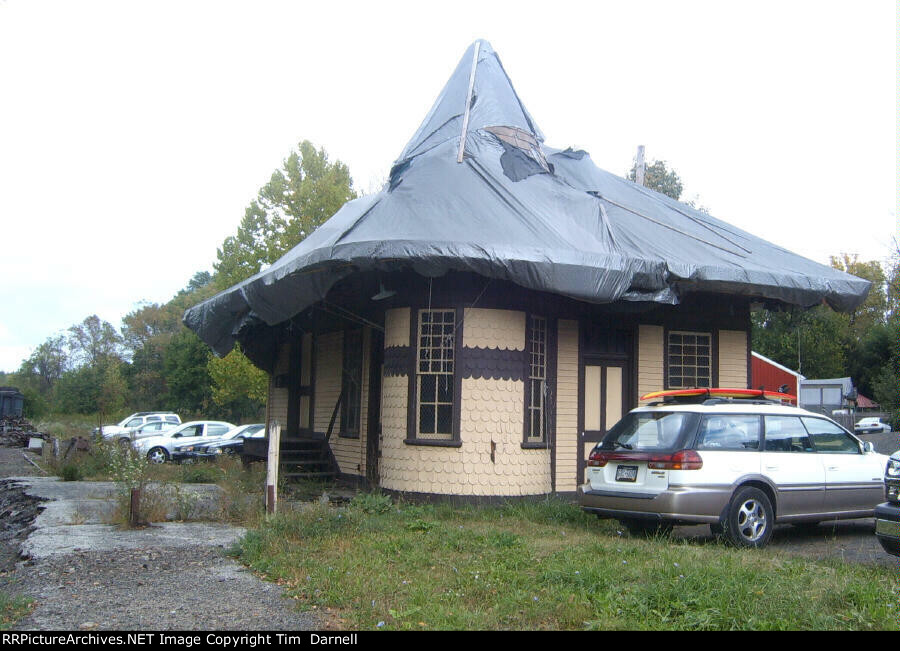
[[124, 428], [738, 465]]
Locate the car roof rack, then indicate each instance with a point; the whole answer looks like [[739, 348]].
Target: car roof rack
[[707, 401], [743, 401]]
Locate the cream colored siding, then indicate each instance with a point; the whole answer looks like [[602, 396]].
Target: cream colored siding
[[567, 448], [329, 352], [592, 388], [614, 389], [501, 329], [278, 397], [651, 355], [733, 359], [396, 327], [492, 416], [395, 466]]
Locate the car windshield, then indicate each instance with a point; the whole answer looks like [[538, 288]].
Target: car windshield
[[185, 431], [244, 431], [241, 431], [650, 430]]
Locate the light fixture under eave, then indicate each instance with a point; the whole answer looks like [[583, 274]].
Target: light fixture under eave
[[383, 293]]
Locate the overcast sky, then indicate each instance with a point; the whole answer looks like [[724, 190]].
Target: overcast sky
[[134, 134]]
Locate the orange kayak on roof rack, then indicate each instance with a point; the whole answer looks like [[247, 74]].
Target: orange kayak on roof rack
[[719, 392]]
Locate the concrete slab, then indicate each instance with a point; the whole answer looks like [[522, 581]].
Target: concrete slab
[[77, 516], [58, 540]]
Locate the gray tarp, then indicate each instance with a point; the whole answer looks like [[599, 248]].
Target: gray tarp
[[544, 219]]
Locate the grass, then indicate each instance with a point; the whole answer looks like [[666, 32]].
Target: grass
[[12, 609], [547, 565]]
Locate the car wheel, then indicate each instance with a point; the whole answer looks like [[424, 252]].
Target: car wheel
[[157, 455], [750, 518], [647, 528]]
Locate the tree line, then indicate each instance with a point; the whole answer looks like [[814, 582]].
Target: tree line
[[153, 362]]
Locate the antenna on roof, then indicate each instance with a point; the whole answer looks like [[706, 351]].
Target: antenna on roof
[[639, 166], [465, 125]]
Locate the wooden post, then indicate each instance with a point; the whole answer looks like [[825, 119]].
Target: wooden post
[[134, 517], [272, 468], [639, 166]]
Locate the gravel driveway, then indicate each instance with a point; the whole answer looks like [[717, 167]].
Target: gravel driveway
[[137, 579]]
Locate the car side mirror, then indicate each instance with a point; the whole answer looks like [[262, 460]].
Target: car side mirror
[[868, 447]]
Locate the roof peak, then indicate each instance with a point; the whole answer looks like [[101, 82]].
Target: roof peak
[[479, 94]]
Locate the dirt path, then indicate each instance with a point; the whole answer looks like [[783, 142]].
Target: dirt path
[[87, 575]]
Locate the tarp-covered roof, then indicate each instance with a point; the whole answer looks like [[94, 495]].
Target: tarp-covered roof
[[514, 209]]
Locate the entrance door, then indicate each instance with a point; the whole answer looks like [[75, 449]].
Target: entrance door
[[603, 394]]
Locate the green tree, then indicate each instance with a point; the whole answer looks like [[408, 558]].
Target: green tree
[[238, 387], [299, 197], [186, 376], [809, 341], [94, 342], [874, 310], [47, 363], [657, 176]]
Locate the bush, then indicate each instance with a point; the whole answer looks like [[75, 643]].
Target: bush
[[372, 503], [201, 474], [71, 472]]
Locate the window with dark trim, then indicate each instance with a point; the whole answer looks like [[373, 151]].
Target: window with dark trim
[[435, 366], [536, 392], [689, 359], [351, 384]]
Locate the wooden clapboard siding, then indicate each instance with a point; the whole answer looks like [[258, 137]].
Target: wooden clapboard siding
[[567, 406], [733, 359], [651, 358]]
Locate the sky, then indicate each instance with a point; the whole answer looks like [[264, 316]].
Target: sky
[[134, 134]]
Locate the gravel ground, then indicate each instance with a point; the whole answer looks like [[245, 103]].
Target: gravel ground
[[156, 587], [190, 588]]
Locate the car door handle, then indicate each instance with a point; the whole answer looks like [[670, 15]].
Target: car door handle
[[771, 467], [833, 468]]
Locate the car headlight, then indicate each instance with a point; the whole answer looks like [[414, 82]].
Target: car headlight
[[893, 468]]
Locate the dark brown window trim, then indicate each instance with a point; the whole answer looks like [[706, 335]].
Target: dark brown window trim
[[549, 382], [438, 443], [412, 390], [713, 352]]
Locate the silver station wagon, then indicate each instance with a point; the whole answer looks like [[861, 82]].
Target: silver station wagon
[[740, 466]]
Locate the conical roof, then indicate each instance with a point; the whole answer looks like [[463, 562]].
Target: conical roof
[[510, 208]]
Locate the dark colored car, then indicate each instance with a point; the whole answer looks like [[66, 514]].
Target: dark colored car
[[230, 443], [887, 515]]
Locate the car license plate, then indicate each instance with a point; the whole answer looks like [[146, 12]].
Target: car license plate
[[626, 473]]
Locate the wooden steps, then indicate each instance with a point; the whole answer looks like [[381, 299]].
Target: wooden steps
[[306, 458]]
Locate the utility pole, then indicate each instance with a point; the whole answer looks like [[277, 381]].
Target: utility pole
[[639, 166]]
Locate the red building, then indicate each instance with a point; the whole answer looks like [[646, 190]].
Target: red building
[[771, 376]]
